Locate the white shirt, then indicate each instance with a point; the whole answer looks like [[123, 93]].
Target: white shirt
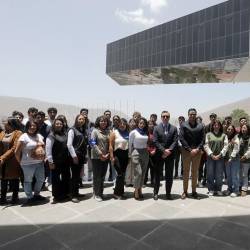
[[29, 143], [137, 140], [120, 142], [71, 149]]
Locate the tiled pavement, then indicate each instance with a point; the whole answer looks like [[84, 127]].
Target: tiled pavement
[[209, 223]]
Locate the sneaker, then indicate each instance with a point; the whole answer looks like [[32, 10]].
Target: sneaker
[[98, 198], [243, 193], [75, 200], [219, 193], [233, 195], [210, 193]]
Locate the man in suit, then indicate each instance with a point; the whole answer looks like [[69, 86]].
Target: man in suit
[[165, 140]]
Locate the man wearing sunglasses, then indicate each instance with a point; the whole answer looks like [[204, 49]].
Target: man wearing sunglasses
[[165, 140]]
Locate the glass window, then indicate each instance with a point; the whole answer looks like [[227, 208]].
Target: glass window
[[201, 52], [215, 28], [222, 26], [173, 52], [236, 5], [229, 46], [236, 44], [195, 52], [189, 35], [221, 47], [214, 50], [222, 9], [229, 7], [208, 13], [183, 55], [229, 25], [207, 50], [236, 23], [244, 42], [245, 4], [208, 31], [173, 40], [178, 39], [215, 11], [201, 32], [168, 42], [183, 37], [189, 54], [168, 58], [245, 20], [190, 20], [202, 16], [195, 34]]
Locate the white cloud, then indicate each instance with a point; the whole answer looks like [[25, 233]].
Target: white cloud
[[135, 16], [155, 5]]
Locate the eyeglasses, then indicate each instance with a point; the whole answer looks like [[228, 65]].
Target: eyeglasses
[[165, 116]]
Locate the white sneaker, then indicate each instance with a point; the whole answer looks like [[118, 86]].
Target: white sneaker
[[98, 198], [219, 193], [233, 195], [210, 193]]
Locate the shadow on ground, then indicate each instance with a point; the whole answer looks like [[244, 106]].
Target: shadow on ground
[[193, 233]]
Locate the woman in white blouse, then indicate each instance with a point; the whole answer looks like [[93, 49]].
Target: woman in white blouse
[[138, 140]]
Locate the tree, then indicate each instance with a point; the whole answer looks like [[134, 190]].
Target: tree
[[237, 114]]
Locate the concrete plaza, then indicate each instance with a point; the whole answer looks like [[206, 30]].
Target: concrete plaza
[[209, 223]]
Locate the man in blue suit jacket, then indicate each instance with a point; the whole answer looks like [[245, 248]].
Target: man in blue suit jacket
[[165, 140]]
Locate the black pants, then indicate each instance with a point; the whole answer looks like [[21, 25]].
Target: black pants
[[169, 168], [151, 166], [74, 182], [120, 165], [60, 180], [14, 186], [99, 172]]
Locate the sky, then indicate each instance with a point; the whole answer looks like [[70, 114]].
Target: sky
[[55, 50]]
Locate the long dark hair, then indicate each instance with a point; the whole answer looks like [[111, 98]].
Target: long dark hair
[[53, 130], [83, 127], [230, 137], [14, 123], [145, 129], [248, 131]]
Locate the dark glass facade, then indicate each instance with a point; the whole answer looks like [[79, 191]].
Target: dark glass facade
[[217, 34]]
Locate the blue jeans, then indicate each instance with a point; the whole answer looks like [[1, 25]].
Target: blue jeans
[[214, 174], [244, 168], [30, 171], [233, 175]]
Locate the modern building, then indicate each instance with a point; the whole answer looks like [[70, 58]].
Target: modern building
[[211, 45]]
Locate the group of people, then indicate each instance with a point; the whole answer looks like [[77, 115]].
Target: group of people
[[37, 150]]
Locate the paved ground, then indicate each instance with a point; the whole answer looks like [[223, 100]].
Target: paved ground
[[214, 222]]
